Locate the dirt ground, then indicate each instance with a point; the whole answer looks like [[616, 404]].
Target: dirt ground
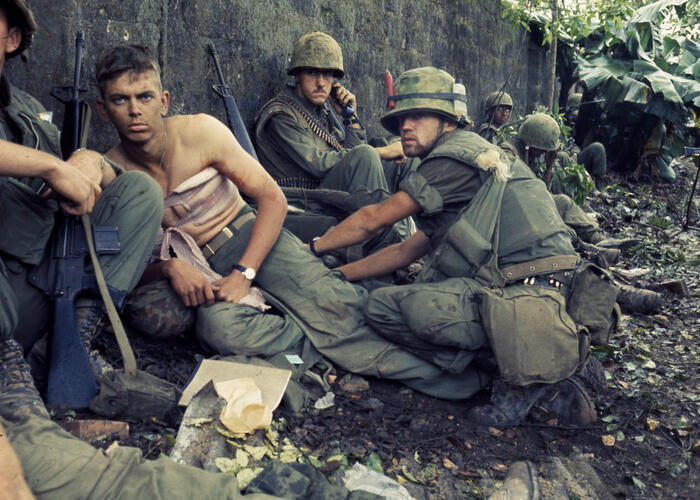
[[646, 443]]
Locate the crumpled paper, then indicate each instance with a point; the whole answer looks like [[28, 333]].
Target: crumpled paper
[[245, 411]]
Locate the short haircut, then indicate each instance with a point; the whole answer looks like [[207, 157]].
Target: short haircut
[[122, 59]]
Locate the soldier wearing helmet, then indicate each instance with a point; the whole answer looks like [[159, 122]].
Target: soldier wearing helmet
[[309, 135], [497, 109], [537, 145], [457, 196]]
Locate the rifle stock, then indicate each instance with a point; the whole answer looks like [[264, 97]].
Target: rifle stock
[[233, 116]]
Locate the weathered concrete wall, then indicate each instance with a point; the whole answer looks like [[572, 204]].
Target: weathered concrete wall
[[254, 40]]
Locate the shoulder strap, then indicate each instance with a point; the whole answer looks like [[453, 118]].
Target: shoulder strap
[[316, 127]]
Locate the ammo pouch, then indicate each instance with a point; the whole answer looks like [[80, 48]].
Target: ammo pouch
[[531, 334], [138, 395], [26, 223], [592, 301]]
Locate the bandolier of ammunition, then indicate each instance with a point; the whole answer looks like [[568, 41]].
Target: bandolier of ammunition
[[316, 127]]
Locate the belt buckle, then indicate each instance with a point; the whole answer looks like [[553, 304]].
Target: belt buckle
[[213, 245]]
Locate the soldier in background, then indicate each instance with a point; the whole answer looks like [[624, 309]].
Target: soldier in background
[[296, 136], [499, 106], [592, 156]]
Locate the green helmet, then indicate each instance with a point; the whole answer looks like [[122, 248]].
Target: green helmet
[[317, 50], [540, 131], [20, 15], [426, 89], [498, 98]]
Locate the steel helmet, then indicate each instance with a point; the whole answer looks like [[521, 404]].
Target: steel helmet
[[426, 89], [20, 15], [498, 99], [540, 131], [317, 50]]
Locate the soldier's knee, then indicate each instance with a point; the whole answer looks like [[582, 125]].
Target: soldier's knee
[[146, 190]]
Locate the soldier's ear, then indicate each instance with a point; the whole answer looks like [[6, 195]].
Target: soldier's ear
[[14, 39], [102, 109], [165, 102]]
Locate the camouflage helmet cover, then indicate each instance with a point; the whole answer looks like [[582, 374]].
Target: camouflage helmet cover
[[540, 131], [317, 50], [424, 89], [19, 13], [498, 99]]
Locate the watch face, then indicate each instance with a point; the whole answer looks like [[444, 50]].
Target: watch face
[[249, 273]]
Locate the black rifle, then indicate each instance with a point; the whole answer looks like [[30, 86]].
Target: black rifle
[[71, 379], [233, 116]]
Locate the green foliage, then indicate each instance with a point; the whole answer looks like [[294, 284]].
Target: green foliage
[[576, 181]]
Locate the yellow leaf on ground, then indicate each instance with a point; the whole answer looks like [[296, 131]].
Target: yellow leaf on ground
[[495, 432], [652, 423], [449, 464], [608, 440]]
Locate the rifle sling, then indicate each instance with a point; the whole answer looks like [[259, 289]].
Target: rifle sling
[[119, 332]]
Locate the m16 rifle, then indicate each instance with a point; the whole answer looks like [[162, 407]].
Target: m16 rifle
[[233, 116], [71, 380]]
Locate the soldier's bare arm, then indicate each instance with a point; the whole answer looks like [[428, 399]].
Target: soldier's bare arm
[[93, 166], [75, 192], [388, 259], [221, 150], [367, 222]]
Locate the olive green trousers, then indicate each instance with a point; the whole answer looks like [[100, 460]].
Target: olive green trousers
[[59, 466]]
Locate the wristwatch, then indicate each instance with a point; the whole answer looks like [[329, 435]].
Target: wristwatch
[[247, 272]]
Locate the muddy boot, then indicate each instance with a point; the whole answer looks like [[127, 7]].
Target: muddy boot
[[91, 319], [509, 405], [594, 252], [18, 396], [592, 376], [638, 300], [568, 401], [38, 362]]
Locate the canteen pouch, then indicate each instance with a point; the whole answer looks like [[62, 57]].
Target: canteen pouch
[[139, 395], [592, 302], [531, 334]]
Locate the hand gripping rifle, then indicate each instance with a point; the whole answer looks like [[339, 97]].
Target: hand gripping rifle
[[233, 116], [71, 379]]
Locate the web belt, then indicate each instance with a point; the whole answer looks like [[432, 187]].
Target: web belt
[[535, 267]]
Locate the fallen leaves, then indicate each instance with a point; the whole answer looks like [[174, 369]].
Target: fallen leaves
[[608, 440]]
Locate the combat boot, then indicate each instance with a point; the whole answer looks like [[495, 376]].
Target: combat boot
[[594, 253], [638, 300], [91, 318], [18, 396], [568, 401], [509, 405], [592, 376]]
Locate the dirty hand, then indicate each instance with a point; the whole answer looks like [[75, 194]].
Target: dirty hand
[[191, 285], [342, 98], [76, 192], [232, 288]]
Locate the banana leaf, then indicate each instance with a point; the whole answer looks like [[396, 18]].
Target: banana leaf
[[659, 80], [653, 13]]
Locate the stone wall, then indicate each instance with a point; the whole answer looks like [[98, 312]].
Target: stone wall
[[254, 40]]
